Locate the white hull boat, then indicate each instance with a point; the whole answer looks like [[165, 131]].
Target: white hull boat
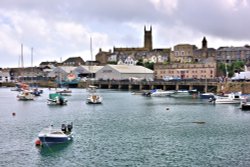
[[232, 98], [161, 93], [94, 99], [25, 95], [51, 135]]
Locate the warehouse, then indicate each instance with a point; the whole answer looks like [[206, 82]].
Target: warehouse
[[123, 72]]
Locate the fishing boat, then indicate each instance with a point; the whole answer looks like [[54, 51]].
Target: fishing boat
[[25, 95], [56, 99], [51, 135]]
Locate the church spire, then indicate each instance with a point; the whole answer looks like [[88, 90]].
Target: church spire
[[204, 43]]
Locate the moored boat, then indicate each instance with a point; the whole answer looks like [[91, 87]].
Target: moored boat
[[245, 104], [36, 92], [25, 95], [56, 99], [206, 95], [51, 135], [231, 98], [185, 93], [161, 93], [94, 99], [65, 92]]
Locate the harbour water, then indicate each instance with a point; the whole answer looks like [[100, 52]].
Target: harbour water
[[126, 130]]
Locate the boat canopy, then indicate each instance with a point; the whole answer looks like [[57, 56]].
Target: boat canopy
[[54, 95]]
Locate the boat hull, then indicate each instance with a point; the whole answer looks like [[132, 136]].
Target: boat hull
[[94, 99], [245, 106], [55, 140], [56, 102], [206, 96], [162, 93]]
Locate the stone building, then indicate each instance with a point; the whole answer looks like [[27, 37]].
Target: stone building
[[204, 53], [73, 61], [183, 53], [232, 54], [148, 43], [131, 55], [49, 63], [103, 57]]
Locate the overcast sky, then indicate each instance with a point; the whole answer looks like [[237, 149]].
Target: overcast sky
[[58, 29]]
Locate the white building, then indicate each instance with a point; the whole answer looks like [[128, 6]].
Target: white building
[[120, 72], [244, 75], [4, 76]]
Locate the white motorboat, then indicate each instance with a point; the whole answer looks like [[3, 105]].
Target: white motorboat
[[185, 93], [161, 93], [94, 99], [232, 98], [25, 95], [51, 135]]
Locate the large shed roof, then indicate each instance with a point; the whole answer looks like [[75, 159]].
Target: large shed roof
[[131, 69]]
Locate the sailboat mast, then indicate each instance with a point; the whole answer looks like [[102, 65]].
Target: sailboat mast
[[22, 56], [91, 49], [31, 57], [32, 74]]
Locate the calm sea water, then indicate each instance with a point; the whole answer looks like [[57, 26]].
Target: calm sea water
[[126, 130]]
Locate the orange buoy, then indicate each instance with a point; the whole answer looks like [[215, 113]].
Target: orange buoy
[[13, 114], [38, 142]]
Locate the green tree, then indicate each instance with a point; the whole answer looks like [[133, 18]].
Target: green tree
[[149, 65], [237, 66], [112, 62], [140, 62]]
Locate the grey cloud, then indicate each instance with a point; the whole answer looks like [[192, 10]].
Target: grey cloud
[[215, 18]]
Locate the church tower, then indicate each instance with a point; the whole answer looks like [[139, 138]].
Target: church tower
[[204, 43], [148, 38]]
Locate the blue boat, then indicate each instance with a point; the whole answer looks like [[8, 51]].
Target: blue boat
[[51, 135]]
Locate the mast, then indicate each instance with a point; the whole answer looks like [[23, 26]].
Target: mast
[[91, 57], [32, 70], [31, 57], [91, 49], [22, 56]]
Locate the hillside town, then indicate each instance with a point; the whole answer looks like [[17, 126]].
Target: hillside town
[[183, 61]]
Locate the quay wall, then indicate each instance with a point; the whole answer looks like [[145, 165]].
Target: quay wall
[[227, 87], [215, 87]]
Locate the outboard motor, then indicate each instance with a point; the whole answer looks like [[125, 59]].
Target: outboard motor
[[70, 127], [212, 99], [63, 128], [61, 101]]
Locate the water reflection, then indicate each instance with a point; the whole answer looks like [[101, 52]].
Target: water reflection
[[48, 150]]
